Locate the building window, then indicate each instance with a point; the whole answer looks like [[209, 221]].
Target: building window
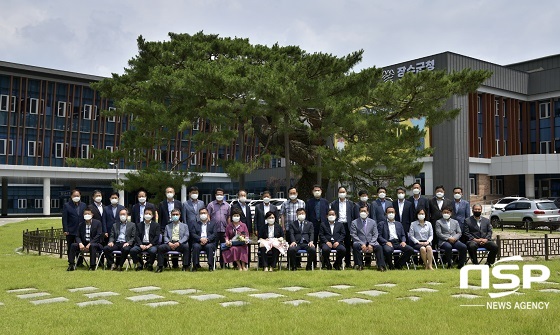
[[505, 148], [504, 108], [196, 124], [39, 149], [280, 195], [479, 104], [10, 147], [497, 108], [61, 111], [193, 158], [55, 203], [213, 159], [22, 203], [546, 147], [499, 186], [480, 145], [59, 150], [111, 118], [497, 147], [544, 112], [33, 106], [87, 112], [3, 146], [38, 203], [31, 148], [109, 147], [85, 151], [4, 99], [472, 186]]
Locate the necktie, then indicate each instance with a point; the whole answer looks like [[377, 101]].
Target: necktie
[[365, 226]]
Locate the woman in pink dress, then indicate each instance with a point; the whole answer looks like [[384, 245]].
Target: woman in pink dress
[[237, 238]]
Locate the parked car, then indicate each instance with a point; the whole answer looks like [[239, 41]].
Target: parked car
[[503, 202], [533, 213]]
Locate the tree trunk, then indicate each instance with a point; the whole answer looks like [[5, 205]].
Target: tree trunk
[[305, 184]]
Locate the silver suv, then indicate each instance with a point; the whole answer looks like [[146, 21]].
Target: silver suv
[[503, 202], [527, 213]]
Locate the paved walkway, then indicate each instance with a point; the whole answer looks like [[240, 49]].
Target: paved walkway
[[4, 221]]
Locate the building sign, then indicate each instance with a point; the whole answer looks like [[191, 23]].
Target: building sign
[[428, 65]]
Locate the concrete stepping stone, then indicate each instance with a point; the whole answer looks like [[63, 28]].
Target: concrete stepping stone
[[433, 283], [241, 289], [550, 290], [292, 288], [205, 297], [296, 302], [548, 282], [233, 303], [33, 295], [22, 290], [1, 304], [266, 295], [423, 289], [470, 287], [386, 285], [341, 287], [145, 297], [411, 298], [83, 289], [373, 293], [323, 294], [48, 301], [100, 294], [466, 296], [355, 301], [145, 289], [94, 302], [162, 303], [186, 291]]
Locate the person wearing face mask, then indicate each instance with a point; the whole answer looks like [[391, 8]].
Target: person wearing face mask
[[289, 210], [418, 201], [261, 209], [203, 238], [364, 235], [137, 214], [478, 231], [192, 206], [246, 217], [317, 208], [72, 216], [237, 239], [87, 240], [421, 235], [271, 243], [345, 213], [121, 239], [164, 209], [146, 240], [96, 206], [448, 232], [175, 238], [219, 211], [332, 237], [111, 213], [392, 236], [301, 237], [364, 201], [382, 204], [437, 203], [461, 210], [404, 210]]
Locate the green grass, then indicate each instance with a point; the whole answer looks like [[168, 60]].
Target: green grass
[[434, 313]]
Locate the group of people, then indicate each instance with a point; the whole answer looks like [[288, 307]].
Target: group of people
[[391, 232]]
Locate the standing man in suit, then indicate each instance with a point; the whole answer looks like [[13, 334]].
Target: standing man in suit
[[382, 204], [72, 216], [89, 234], [418, 201], [121, 238], [164, 210], [191, 207], [404, 210], [437, 203], [461, 210], [111, 213], [364, 198], [137, 215], [146, 239], [317, 208], [478, 231], [261, 209], [203, 237], [448, 232], [364, 234], [301, 235], [175, 238], [392, 237], [219, 212], [332, 236], [97, 206], [344, 211]]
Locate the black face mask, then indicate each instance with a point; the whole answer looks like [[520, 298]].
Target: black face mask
[[477, 214]]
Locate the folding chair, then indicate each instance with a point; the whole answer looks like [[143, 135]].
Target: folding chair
[[481, 254], [205, 256], [303, 253], [331, 254], [417, 255], [85, 255], [119, 253], [171, 253], [398, 253], [454, 252], [280, 257]]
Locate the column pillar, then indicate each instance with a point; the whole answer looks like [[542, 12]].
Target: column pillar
[[121, 197], [46, 196], [529, 185], [4, 196], [183, 193]]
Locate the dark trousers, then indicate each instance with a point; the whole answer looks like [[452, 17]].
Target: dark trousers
[[164, 248], [94, 248], [348, 246], [70, 239], [117, 246], [208, 248], [311, 254], [326, 253], [491, 246], [221, 238], [269, 258], [358, 255], [316, 228], [403, 258], [136, 250], [448, 252]]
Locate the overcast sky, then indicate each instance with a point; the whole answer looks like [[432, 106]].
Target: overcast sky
[[99, 37]]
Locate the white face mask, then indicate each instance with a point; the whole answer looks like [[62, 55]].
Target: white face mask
[[87, 217], [235, 219], [203, 217], [98, 199], [175, 218], [391, 216], [363, 215], [266, 200], [332, 218], [123, 218], [114, 201], [142, 200], [219, 197], [382, 195], [342, 195], [301, 217], [76, 199], [439, 194], [446, 216], [270, 221], [457, 196], [364, 199], [147, 217], [293, 196], [242, 199], [416, 191], [421, 217], [194, 196], [170, 195], [400, 196], [317, 194]]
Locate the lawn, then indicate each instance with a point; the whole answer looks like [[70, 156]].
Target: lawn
[[434, 313]]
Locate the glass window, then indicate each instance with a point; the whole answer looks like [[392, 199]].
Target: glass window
[[22, 203], [61, 111], [31, 148], [33, 106], [546, 205], [543, 110]]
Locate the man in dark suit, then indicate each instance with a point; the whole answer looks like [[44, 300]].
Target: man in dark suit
[[478, 231], [404, 210], [97, 207], [72, 216], [301, 235], [419, 201], [345, 214], [146, 239], [175, 238], [121, 239], [331, 237], [364, 198], [87, 240], [191, 207], [111, 213], [382, 204], [317, 208], [164, 210], [262, 208], [137, 214], [203, 237], [364, 234], [461, 210], [437, 203], [448, 232], [392, 237]]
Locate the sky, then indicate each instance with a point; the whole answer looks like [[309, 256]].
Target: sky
[[99, 37]]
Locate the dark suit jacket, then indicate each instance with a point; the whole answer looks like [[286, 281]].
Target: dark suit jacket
[[472, 231], [153, 234], [72, 216], [463, 213], [259, 220], [278, 231], [422, 203], [338, 234], [111, 219], [197, 230], [135, 212], [129, 235], [323, 210], [247, 218], [383, 228], [94, 232], [164, 219], [183, 233], [296, 234], [408, 215], [190, 215], [350, 212], [435, 212], [379, 211], [97, 215]]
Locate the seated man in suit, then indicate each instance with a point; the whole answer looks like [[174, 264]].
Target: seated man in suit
[[146, 239], [364, 234], [478, 230], [332, 236], [121, 238], [203, 237], [176, 238], [392, 237], [448, 232], [89, 235], [301, 235]]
